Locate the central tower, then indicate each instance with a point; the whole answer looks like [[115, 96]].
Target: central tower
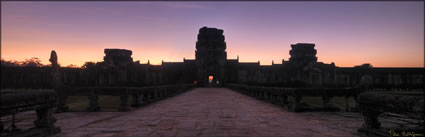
[[303, 53], [210, 56]]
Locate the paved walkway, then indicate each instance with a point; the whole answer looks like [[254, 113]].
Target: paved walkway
[[208, 112]]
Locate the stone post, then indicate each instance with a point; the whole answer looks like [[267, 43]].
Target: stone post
[[62, 107], [124, 103], [45, 117], [93, 102], [160, 93], [136, 100], [284, 100], [296, 107], [326, 99], [347, 103], [143, 97], [371, 119], [146, 96]]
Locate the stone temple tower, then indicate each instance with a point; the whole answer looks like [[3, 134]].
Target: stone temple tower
[[210, 56], [303, 54], [304, 61], [116, 63]]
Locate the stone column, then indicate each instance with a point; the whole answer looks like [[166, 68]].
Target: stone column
[[124, 103], [347, 103], [326, 99], [284, 100], [296, 107], [45, 117], [273, 98], [142, 96], [93, 102], [62, 107], [371, 119], [146, 96], [161, 93], [158, 94], [136, 100]]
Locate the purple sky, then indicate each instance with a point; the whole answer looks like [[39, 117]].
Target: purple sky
[[385, 34]]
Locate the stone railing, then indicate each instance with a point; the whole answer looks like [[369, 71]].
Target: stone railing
[[42, 101], [140, 95], [279, 95], [408, 105]]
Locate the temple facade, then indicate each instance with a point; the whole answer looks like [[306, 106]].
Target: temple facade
[[212, 68]]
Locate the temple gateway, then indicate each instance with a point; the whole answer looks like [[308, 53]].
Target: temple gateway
[[212, 68]]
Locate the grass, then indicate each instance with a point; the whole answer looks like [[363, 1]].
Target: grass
[[318, 102]]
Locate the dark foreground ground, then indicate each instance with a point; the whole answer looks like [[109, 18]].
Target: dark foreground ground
[[204, 112]]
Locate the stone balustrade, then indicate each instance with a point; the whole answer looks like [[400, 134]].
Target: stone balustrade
[[140, 95], [409, 105], [279, 95], [42, 101]]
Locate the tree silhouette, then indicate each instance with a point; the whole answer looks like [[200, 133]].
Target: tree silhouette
[[364, 66], [9, 63], [89, 65], [32, 62], [72, 66]]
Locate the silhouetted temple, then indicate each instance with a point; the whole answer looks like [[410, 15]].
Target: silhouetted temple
[[211, 67]]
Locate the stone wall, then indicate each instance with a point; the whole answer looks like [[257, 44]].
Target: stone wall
[[382, 78], [38, 77]]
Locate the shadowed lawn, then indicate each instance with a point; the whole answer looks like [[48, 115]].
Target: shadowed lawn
[[318, 102]]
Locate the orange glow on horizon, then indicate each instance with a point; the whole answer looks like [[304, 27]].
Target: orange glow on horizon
[[78, 58]]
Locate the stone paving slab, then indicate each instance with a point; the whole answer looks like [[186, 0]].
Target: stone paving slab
[[205, 112]]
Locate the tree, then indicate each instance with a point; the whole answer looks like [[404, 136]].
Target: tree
[[72, 66], [33, 62], [365, 66], [89, 65], [9, 63]]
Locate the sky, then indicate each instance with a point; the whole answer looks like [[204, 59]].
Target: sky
[[384, 34]]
